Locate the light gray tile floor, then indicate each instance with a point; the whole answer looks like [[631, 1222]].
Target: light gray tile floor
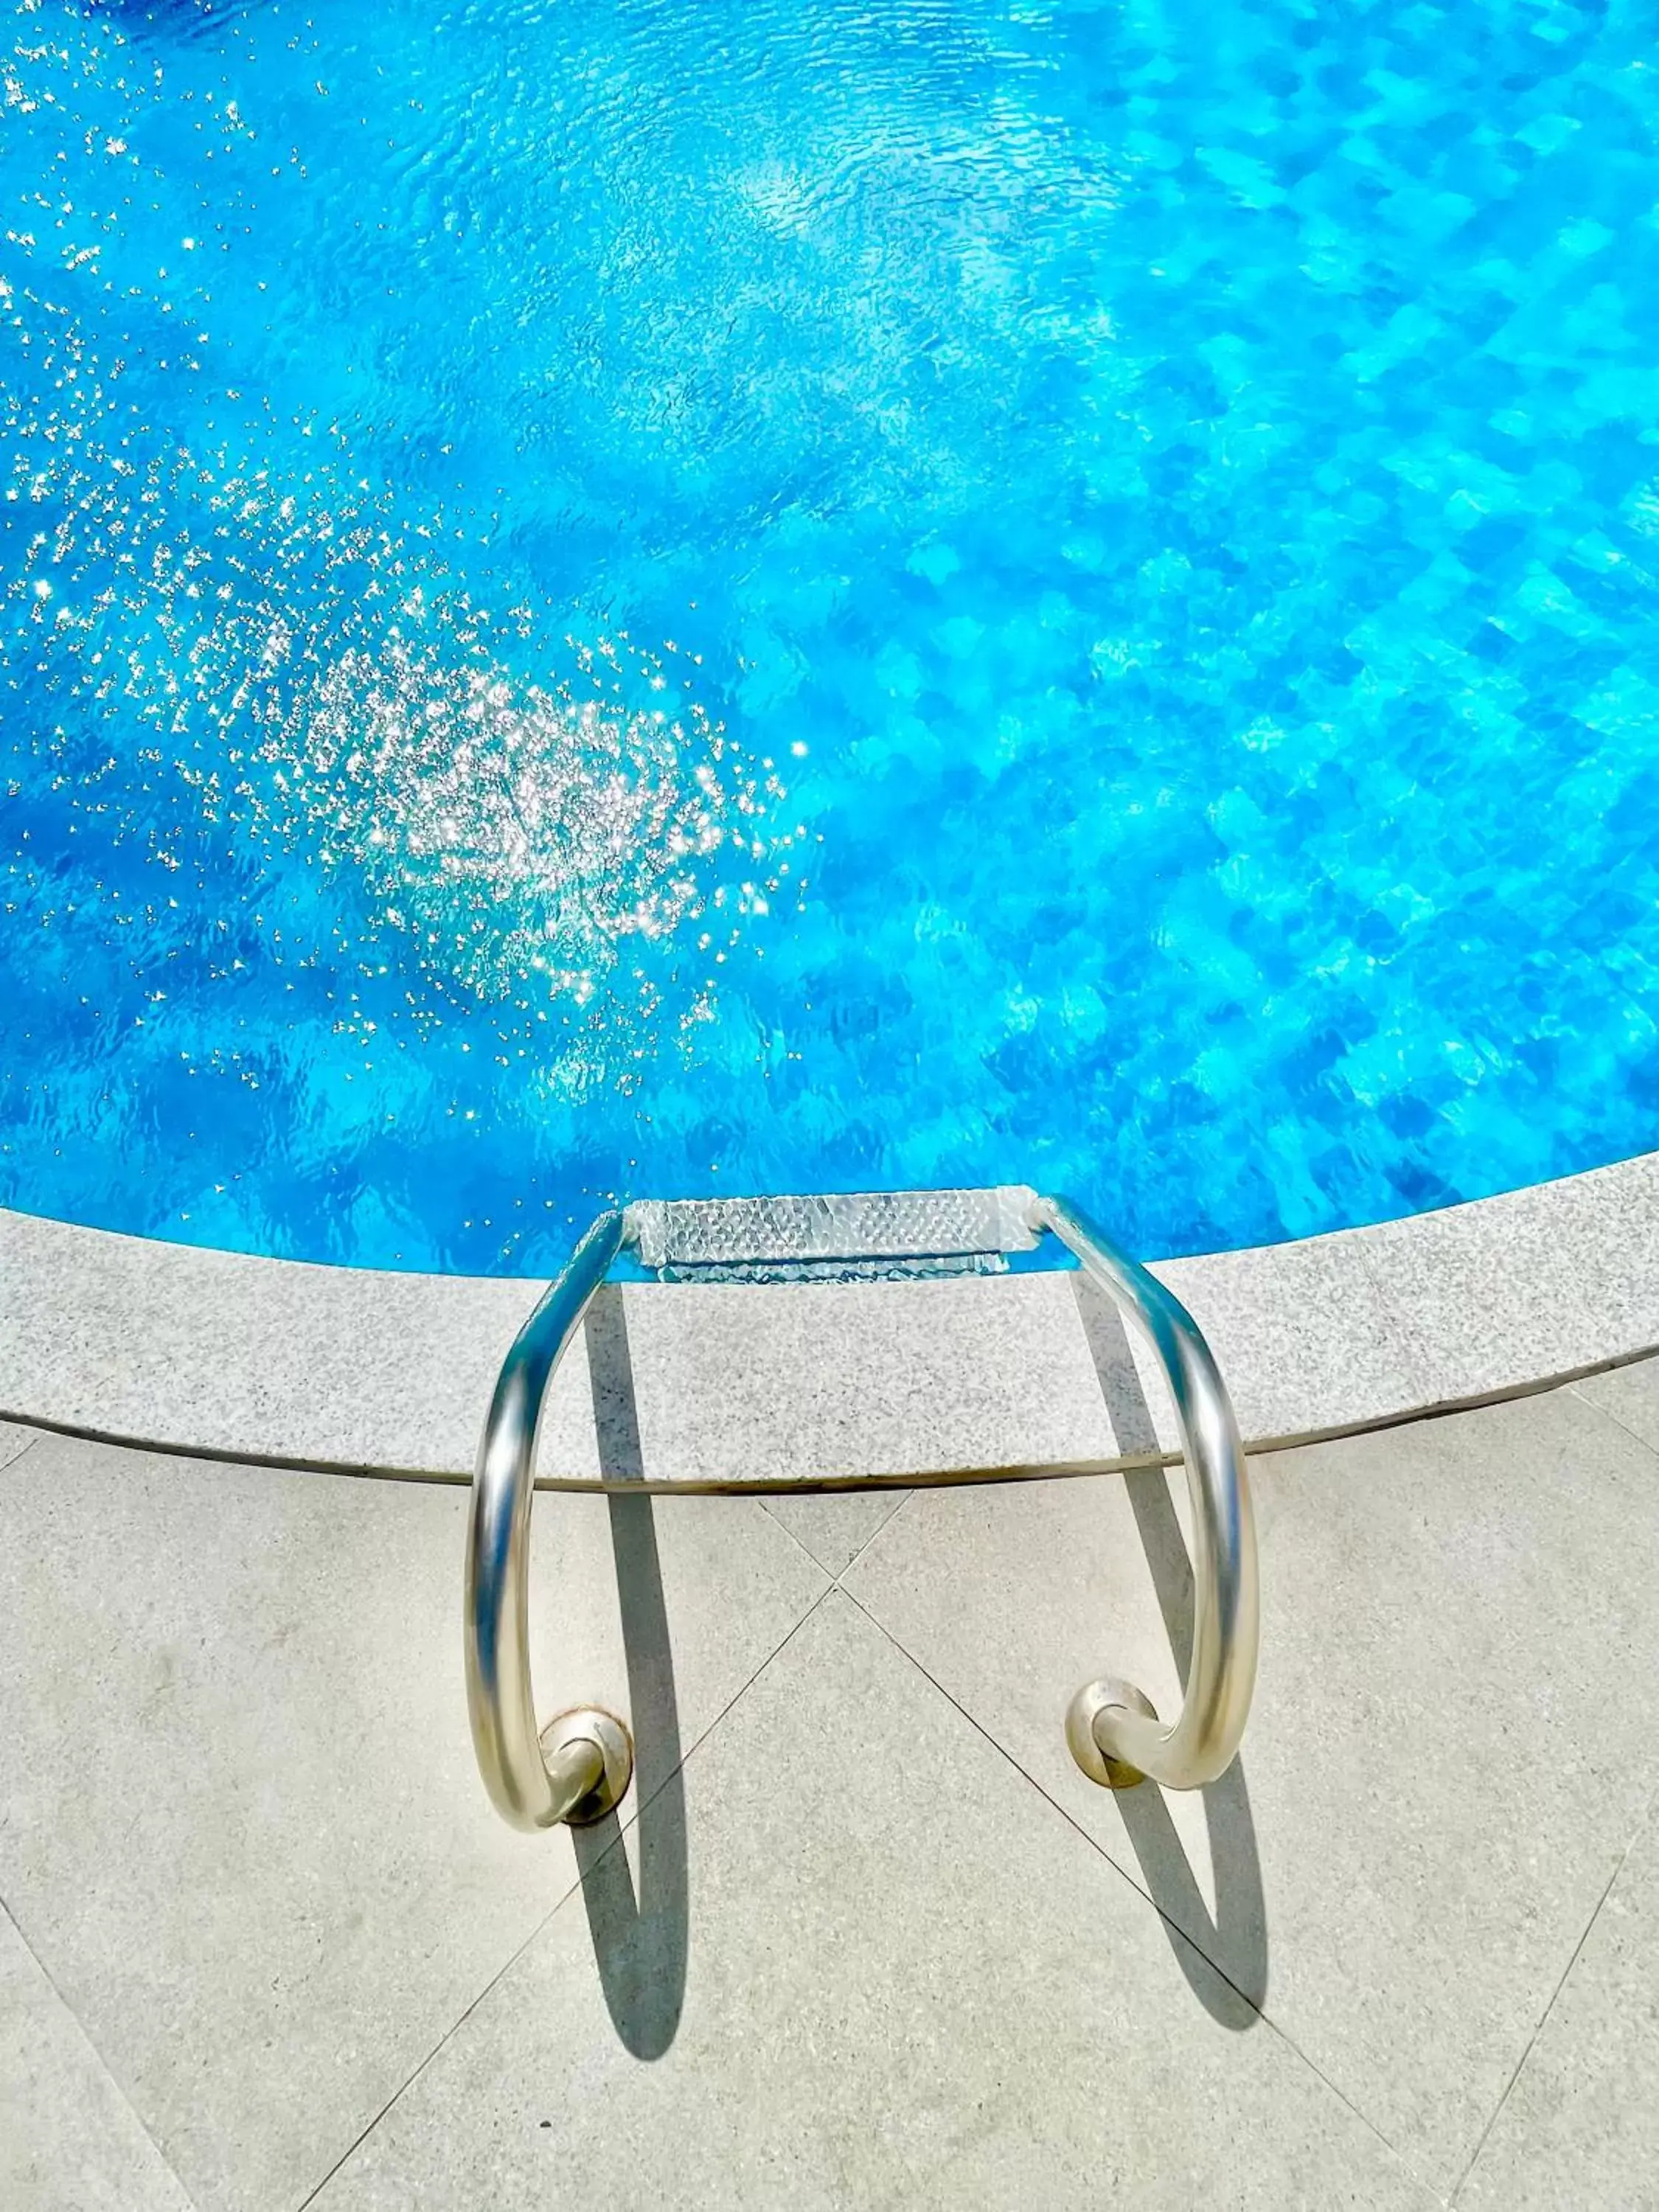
[[15, 1440], [916, 1984], [1581, 2120], [68, 2136], [1457, 1723], [835, 1526], [1631, 1395], [243, 1831], [867, 1939]]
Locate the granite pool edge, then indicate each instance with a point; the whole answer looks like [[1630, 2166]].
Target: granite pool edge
[[224, 1356]]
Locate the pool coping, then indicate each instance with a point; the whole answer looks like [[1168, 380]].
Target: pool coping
[[738, 1387]]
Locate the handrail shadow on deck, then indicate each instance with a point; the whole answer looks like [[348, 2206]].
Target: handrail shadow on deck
[[639, 1944]]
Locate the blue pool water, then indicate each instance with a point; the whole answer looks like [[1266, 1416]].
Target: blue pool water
[[683, 596]]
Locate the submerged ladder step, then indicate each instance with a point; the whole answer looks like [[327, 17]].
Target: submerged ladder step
[[856, 1225]]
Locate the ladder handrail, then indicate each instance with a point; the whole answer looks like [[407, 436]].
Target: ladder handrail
[[1199, 1744], [529, 1787], [578, 1768]]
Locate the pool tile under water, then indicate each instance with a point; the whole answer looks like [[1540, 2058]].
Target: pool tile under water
[[1139, 532]]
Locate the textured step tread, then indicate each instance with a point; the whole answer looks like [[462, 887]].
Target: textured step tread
[[845, 1226]]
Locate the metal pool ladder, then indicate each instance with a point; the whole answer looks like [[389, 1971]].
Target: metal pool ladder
[[577, 1769]]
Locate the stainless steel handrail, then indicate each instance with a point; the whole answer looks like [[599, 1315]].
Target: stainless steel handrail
[[578, 1768], [1115, 1736]]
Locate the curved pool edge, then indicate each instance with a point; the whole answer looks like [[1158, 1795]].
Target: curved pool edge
[[216, 1354]]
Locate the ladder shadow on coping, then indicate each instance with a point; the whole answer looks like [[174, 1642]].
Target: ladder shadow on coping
[[639, 1944], [1234, 1938]]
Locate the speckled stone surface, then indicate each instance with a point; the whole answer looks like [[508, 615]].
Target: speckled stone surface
[[744, 1385], [729, 1384], [1305, 1333], [222, 1352], [1534, 1283], [817, 1380]]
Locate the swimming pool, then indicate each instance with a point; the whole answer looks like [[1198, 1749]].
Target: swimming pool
[[674, 597]]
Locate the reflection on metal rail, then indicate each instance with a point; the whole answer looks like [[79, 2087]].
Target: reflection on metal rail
[[578, 1768], [1115, 1736]]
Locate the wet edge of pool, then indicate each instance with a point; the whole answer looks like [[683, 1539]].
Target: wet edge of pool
[[822, 1385]]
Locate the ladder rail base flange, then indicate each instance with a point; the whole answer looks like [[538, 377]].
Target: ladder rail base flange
[[608, 1736], [1082, 1715]]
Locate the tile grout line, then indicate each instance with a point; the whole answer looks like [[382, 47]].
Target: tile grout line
[[881, 1528], [1575, 1390], [18, 1457], [1542, 2021], [98, 2059], [883, 1525], [1172, 1926], [623, 1831]]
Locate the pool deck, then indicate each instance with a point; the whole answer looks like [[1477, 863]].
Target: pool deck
[[826, 1383], [865, 1937]]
